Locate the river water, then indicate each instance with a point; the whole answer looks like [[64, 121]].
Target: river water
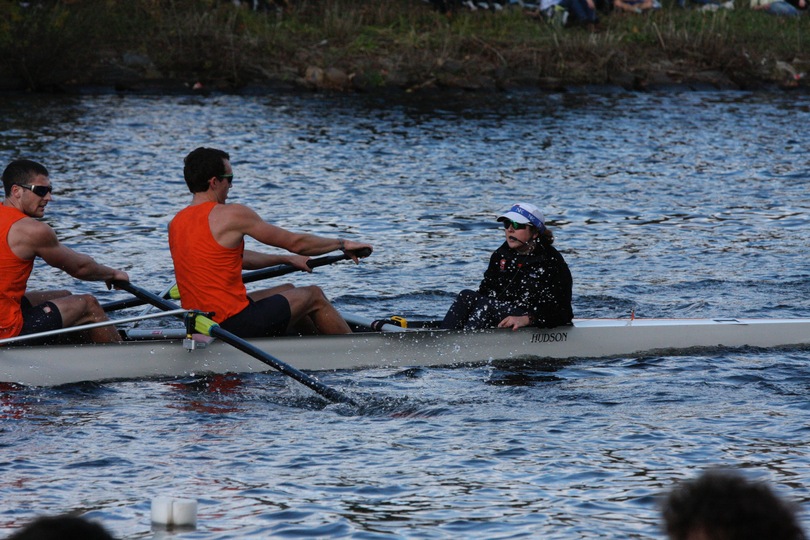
[[669, 205]]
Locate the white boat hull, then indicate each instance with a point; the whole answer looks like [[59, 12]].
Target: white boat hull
[[591, 338]]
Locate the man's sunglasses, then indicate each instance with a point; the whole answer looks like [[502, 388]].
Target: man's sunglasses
[[228, 177], [39, 191], [516, 226]]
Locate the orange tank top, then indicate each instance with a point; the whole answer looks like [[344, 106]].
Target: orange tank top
[[209, 276], [14, 273]]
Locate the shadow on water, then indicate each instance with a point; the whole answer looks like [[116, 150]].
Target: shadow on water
[[236, 393], [526, 371]]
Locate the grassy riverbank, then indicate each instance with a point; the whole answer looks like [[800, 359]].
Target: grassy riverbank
[[380, 45]]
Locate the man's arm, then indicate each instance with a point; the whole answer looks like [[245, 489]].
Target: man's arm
[[234, 221], [253, 260], [41, 241]]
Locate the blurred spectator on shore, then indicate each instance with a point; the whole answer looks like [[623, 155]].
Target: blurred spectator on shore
[[552, 11], [635, 6], [448, 6], [800, 5], [63, 527], [556, 12], [568, 13], [723, 505], [785, 8], [262, 5], [708, 5], [581, 12]]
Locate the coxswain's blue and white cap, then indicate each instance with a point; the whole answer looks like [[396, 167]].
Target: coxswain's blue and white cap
[[525, 213]]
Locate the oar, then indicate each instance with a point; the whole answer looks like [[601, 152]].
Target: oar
[[283, 269], [207, 326], [90, 326], [247, 277]]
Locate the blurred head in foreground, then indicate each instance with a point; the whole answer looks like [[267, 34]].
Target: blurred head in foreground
[[722, 505], [62, 528]]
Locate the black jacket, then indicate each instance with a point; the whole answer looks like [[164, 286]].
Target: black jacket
[[538, 284]]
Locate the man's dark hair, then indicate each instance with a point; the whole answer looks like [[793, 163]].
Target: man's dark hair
[[20, 172], [725, 506], [201, 165], [62, 528]]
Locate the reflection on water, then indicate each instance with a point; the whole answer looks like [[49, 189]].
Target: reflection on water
[[676, 205]]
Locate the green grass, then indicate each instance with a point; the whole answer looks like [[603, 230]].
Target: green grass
[[392, 42]]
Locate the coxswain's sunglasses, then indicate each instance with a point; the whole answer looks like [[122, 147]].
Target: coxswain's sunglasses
[[516, 226], [39, 191], [228, 177]]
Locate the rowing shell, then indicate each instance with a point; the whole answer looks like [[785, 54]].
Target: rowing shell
[[587, 338]]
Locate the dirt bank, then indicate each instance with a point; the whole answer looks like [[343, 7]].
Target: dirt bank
[[400, 46]]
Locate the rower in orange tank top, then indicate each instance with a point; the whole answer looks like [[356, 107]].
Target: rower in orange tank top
[[14, 273], [27, 188], [207, 243], [216, 285]]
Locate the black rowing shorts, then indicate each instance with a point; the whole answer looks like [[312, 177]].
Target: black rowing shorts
[[42, 318], [268, 317]]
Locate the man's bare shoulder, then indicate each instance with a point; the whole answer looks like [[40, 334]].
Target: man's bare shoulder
[[234, 212], [33, 228], [28, 235]]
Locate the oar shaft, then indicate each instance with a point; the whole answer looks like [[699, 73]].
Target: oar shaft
[[248, 277], [90, 326], [235, 341], [284, 269], [328, 392]]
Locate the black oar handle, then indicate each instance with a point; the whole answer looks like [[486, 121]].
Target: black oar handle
[[250, 277], [284, 269], [216, 331]]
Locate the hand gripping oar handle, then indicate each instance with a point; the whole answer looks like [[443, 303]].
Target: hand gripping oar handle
[[249, 277], [207, 326]]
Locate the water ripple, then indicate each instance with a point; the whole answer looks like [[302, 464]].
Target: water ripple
[[673, 205]]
